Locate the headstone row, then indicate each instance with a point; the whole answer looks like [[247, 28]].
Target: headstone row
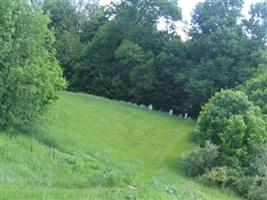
[[171, 112]]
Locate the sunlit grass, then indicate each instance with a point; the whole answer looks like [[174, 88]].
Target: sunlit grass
[[93, 148]]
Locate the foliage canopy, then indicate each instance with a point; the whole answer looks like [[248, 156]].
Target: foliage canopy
[[29, 73]]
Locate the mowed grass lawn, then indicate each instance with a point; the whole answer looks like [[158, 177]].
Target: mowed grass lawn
[[88, 147]]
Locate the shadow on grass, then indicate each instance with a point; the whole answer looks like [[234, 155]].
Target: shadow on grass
[[36, 131], [176, 165]]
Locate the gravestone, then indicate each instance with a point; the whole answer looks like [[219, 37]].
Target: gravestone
[[198, 120], [186, 115], [150, 107], [171, 112]]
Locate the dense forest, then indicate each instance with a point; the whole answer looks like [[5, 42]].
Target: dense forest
[[117, 51], [218, 75]]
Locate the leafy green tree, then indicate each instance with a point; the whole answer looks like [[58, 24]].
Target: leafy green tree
[[218, 51], [29, 73], [92, 16], [129, 55], [142, 78], [122, 51], [66, 22], [145, 11], [256, 25], [256, 89], [97, 72], [169, 71]]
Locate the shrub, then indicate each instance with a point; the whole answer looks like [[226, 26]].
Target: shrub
[[232, 122], [243, 185], [256, 89], [111, 177], [221, 176], [200, 159], [258, 191], [238, 129], [258, 165], [29, 73]]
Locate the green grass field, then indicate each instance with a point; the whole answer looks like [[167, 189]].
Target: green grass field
[[88, 147]]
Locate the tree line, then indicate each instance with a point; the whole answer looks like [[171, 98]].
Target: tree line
[[118, 52]]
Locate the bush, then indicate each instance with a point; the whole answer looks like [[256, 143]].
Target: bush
[[111, 177], [232, 122], [238, 129], [256, 89], [29, 73], [217, 176], [200, 159], [221, 176], [258, 191], [258, 165], [243, 185]]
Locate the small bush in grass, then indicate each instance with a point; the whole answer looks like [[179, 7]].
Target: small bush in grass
[[200, 159], [113, 177]]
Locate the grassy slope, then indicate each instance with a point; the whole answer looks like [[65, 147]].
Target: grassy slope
[[91, 148]]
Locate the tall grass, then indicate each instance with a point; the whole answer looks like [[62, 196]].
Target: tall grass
[[88, 147]]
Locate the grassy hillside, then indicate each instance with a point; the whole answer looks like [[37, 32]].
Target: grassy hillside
[[88, 147]]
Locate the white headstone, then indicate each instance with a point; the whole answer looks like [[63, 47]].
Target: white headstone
[[180, 115], [189, 117], [171, 112], [150, 107], [186, 115]]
